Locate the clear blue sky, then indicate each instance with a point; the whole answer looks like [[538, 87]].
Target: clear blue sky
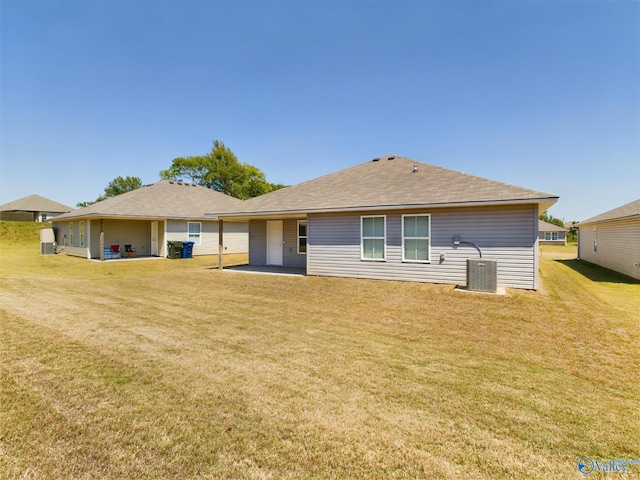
[[540, 94]]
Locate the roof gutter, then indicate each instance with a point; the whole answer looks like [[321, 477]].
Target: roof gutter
[[96, 216], [625, 217], [546, 202]]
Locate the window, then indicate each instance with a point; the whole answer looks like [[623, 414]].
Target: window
[[373, 238], [551, 235], [302, 236], [72, 235], [416, 238], [194, 232], [81, 227]]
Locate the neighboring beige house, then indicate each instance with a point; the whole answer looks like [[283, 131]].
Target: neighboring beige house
[[612, 239], [149, 217], [397, 219], [32, 208], [551, 234]]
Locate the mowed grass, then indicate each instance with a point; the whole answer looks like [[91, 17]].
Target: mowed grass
[[570, 250], [172, 369]]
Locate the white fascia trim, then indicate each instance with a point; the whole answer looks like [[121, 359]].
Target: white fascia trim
[[375, 208]]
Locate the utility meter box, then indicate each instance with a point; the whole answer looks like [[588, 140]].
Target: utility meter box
[[482, 275]]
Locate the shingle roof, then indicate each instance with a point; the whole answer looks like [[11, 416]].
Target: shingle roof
[[34, 203], [165, 199], [628, 210], [390, 182], [550, 227]]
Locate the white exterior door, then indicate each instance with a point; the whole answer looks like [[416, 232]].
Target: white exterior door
[[274, 242], [154, 239]]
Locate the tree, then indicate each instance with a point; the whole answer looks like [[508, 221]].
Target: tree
[[220, 170], [192, 168], [545, 217], [572, 234], [117, 186], [120, 185]]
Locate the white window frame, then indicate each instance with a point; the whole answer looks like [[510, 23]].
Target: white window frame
[[72, 236], [384, 238], [428, 239], [81, 232], [551, 236], [306, 237], [195, 238]]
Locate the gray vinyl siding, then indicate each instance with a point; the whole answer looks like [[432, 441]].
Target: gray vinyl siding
[[258, 243], [291, 257], [507, 234], [61, 231], [234, 237], [618, 245], [63, 238]]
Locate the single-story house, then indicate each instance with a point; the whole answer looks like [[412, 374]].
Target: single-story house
[[551, 234], [147, 218], [397, 219], [612, 239], [32, 208]]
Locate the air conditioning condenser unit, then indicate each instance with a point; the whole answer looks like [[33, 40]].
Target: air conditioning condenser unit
[[482, 275]]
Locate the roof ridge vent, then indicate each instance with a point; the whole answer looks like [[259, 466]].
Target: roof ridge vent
[[375, 160], [391, 157]]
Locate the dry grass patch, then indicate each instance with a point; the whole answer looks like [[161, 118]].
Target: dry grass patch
[[569, 250], [181, 371]]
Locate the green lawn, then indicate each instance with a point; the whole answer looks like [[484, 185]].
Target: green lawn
[[172, 369]]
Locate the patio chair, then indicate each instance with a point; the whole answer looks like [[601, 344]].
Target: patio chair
[[115, 251], [131, 253]]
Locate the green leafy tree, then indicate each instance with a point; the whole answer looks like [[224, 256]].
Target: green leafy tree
[[193, 169], [120, 185], [220, 170], [545, 217], [117, 186], [572, 234]]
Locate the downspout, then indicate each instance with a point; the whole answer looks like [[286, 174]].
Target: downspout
[[536, 249], [220, 242], [87, 234], [102, 240]]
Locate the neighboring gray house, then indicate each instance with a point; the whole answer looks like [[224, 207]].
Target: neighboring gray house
[[612, 239], [147, 218], [32, 208], [394, 218], [551, 234]]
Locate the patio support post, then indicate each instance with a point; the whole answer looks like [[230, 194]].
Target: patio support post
[[220, 243], [102, 240]]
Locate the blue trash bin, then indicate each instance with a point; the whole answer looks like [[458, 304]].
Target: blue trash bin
[[187, 249]]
